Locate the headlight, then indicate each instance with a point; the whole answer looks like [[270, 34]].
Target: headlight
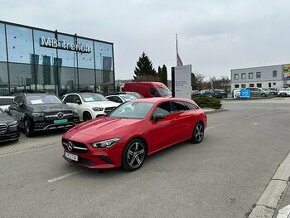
[[106, 144], [37, 114], [13, 124], [98, 108]]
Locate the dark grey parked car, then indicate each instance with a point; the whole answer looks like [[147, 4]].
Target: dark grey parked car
[[39, 112], [8, 128]]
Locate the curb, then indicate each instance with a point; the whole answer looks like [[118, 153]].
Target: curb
[[211, 111], [274, 192]]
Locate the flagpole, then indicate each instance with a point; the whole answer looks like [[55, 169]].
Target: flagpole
[[176, 46]]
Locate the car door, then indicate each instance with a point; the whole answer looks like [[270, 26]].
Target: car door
[[182, 120], [160, 133]]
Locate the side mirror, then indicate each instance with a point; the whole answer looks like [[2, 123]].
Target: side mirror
[[78, 101], [157, 117]]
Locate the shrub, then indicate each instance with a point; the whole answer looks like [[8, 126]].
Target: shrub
[[208, 102]]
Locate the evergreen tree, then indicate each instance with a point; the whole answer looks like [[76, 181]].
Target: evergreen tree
[[164, 75], [144, 70]]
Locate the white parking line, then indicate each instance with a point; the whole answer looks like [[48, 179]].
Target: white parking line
[[211, 127], [63, 177], [28, 149]]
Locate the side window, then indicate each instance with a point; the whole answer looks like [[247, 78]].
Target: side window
[[76, 99], [191, 106], [69, 99], [180, 106], [154, 92], [116, 99], [16, 99], [163, 109]]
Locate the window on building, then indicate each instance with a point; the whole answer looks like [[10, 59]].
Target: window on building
[[236, 76], [259, 85], [243, 85], [250, 75], [237, 86], [274, 73], [274, 84], [243, 76], [258, 74], [269, 85], [251, 85]]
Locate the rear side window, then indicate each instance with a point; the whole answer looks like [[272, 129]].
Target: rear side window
[[191, 106], [154, 92], [180, 106]]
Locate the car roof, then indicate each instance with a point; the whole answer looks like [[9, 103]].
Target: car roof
[[160, 99]]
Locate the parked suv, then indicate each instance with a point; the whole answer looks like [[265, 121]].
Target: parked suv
[[89, 105], [40, 111], [8, 128]]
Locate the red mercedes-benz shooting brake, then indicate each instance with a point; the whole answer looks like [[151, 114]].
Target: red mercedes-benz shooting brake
[[136, 129]]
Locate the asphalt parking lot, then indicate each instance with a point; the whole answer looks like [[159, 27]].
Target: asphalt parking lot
[[224, 176]]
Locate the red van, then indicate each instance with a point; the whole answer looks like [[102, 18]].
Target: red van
[[148, 89]]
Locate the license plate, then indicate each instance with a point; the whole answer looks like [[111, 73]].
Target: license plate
[[71, 156], [60, 121]]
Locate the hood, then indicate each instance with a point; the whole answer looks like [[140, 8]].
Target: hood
[[48, 107], [100, 129], [102, 104], [5, 118]]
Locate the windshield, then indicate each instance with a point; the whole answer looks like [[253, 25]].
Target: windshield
[[164, 91], [42, 99], [132, 110], [92, 97], [128, 97]]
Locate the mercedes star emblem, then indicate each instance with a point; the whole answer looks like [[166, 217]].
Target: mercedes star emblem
[[70, 146]]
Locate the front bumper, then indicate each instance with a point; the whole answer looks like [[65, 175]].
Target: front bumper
[[95, 158], [43, 125], [10, 136]]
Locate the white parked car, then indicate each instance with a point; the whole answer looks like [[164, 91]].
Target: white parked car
[[5, 102], [89, 105], [284, 92], [121, 98]]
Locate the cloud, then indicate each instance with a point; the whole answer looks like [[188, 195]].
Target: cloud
[[214, 35]]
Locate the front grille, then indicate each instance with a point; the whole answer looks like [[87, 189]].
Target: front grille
[[77, 147], [109, 109], [3, 128], [51, 113], [54, 114]]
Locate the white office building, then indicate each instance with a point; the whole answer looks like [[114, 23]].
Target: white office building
[[275, 76]]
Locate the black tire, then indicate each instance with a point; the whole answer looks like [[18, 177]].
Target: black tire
[[134, 155], [87, 116], [263, 95], [198, 133], [28, 127]]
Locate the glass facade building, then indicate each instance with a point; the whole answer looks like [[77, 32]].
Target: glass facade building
[[33, 59]]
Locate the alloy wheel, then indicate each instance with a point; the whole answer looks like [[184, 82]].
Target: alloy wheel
[[136, 154], [198, 133]]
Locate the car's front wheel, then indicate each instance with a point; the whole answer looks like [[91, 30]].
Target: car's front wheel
[[198, 133], [134, 155], [28, 128]]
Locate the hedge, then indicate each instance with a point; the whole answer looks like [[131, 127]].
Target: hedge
[[208, 102]]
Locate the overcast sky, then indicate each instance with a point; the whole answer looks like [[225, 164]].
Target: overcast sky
[[214, 36]]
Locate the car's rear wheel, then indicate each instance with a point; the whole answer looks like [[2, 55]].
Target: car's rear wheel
[[198, 133], [87, 116], [28, 128], [134, 155]]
